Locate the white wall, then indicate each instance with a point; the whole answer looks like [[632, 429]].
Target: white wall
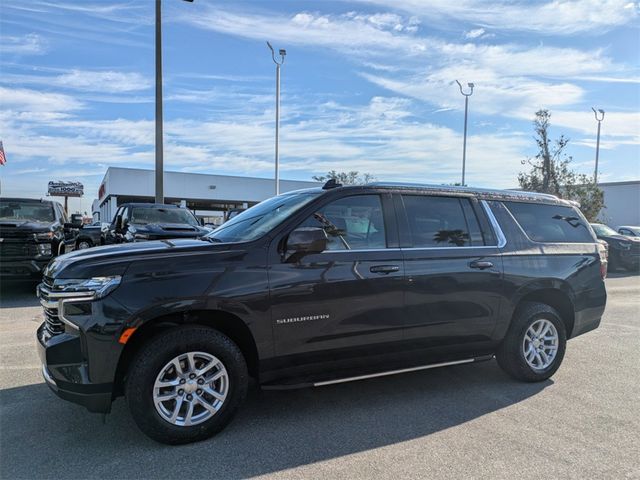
[[622, 203], [194, 186]]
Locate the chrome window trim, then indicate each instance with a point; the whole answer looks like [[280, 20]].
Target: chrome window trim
[[502, 240]]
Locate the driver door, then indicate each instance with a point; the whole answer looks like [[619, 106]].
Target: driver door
[[343, 306]]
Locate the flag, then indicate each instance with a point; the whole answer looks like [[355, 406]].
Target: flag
[[3, 159]]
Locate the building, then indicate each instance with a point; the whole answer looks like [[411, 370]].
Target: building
[[622, 203], [208, 196]]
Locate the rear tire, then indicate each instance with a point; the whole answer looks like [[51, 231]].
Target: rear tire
[[220, 390], [534, 346]]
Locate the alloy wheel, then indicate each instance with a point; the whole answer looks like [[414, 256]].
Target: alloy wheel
[[540, 344], [190, 389]]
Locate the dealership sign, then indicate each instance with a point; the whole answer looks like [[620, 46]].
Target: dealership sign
[[66, 189]]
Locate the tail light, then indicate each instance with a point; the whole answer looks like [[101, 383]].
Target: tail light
[[603, 251]]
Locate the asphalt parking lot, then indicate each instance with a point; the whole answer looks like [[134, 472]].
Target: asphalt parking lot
[[468, 421]]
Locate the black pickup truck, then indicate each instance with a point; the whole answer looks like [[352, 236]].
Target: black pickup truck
[[136, 222], [32, 232], [316, 287]]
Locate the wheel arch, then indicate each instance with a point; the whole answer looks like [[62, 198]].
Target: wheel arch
[[226, 323], [558, 296]]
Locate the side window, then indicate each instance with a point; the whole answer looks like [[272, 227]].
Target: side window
[[351, 223], [550, 223], [442, 221], [624, 231]]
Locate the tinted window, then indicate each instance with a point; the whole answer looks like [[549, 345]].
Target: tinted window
[[26, 210], [351, 223], [442, 222], [158, 215], [551, 223]]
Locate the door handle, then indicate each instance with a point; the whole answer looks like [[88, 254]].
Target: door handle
[[385, 269], [481, 264]]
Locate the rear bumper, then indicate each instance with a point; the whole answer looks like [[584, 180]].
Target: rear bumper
[[67, 375]]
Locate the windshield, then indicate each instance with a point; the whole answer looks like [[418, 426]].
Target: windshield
[[603, 230], [261, 218], [33, 211], [144, 216]]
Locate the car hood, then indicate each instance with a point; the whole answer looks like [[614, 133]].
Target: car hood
[[114, 259]]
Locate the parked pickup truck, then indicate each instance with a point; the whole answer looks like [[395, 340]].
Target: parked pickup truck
[[137, 222], [91, 235], [32, 232]]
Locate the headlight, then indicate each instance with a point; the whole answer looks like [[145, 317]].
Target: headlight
[[43, 236], [44, 248], [96, 287]]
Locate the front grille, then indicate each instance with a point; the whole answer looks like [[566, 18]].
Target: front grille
[[8, 233], [16, 249], [52, 323]]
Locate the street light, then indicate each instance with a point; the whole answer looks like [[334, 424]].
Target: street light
[[599, 120], [159, 146], [282, 52], [466, 110]]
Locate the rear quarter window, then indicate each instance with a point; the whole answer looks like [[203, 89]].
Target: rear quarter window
[[551, 223]]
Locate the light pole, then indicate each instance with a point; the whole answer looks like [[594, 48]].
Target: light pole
[[159, 145], [282, 52], [466, 111], [599, 120]]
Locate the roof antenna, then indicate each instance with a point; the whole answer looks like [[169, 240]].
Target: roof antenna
[[331, 183]]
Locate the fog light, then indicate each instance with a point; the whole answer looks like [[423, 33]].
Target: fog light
[[44, 248]]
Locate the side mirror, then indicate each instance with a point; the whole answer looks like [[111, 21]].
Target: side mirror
[[306, 240]]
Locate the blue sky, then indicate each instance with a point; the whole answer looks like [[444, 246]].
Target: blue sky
[[367, 85]]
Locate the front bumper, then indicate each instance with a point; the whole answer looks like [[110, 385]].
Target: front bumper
[[66, 372]]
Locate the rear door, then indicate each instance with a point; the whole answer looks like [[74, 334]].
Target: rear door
[[343, 305], [453, 270]]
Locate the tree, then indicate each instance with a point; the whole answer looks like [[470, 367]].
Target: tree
[[551, 172], [346, 178]]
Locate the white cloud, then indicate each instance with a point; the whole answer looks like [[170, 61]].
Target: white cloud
[[26, 100], [29, 44], [356, 33], [555, 17], [102, 81], [475, 33]]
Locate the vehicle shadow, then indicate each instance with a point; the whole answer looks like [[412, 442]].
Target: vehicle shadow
[[43, 436]]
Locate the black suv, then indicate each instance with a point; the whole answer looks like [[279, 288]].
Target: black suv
[[135, 222], [624, 250], [32, 232], [316, 287]]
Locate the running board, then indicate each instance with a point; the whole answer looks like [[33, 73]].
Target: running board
[[375, 375]]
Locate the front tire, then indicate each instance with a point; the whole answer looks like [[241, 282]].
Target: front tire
[[186, 385], [534, 346]]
